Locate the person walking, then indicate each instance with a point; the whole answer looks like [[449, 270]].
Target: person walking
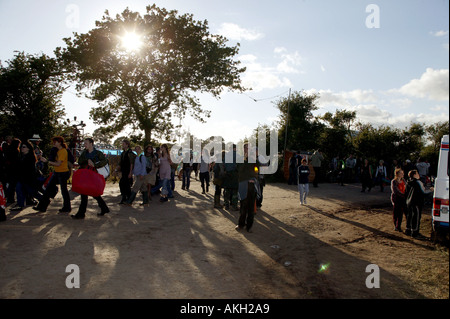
[[350, 164], [219, 176], [381, 175], [11, 153], [316, 162], [93, 158], [247, 177], [152, 170], [293, 164], [187, 170], [139, 172], [204, 171], [126, 168], [398, 186], [60, 176], [230, 182], [415, 197], [27, 177], [366, 176], [303, 181], [165, 163], [261, 180]]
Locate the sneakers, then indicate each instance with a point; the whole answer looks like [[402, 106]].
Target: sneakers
[[163, 199]]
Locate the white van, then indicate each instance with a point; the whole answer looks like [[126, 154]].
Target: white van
[[440, 196]]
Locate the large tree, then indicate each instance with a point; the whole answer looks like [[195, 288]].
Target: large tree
[[336, 138], [303, 128], [143, 70], [31, 87]]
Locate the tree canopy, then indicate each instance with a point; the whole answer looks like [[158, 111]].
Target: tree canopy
[[31, 90], [303, 128], [145, 83]]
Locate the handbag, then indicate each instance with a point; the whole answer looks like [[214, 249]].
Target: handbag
[[104, 171], [86, 181]]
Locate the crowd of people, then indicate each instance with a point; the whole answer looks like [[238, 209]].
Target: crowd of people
[[28, 178], [407, 182], [31, 179]]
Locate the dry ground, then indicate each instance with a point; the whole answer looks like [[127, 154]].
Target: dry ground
[[186, 249]]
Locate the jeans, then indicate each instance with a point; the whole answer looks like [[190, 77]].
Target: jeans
[[397, 214], [166, 190], [247, 209], [204, 179], [125, 184], [61, 179], [316, 175], [24, 189], [304, 191], [84, 201], [186, 178]]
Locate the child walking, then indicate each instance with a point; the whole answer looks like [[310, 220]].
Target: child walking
[[303, 181]]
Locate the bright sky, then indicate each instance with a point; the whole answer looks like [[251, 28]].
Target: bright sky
[[387, 60]]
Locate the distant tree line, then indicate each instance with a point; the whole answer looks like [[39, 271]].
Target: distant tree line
[[341, 134]]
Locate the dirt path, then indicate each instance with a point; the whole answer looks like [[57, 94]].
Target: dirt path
[[186, 249]]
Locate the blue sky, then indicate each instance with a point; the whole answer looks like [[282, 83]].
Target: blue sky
[[393, 74]]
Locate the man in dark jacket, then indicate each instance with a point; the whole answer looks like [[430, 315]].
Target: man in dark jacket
[[126, 168], [247, 176], [415, 197], [95, 159]]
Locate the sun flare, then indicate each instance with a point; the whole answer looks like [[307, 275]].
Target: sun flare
[[131, 41]]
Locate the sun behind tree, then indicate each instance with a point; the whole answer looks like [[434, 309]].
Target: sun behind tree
[[131, 41], [175, 58]]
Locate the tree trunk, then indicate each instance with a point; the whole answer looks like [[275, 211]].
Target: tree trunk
[[148, 136]]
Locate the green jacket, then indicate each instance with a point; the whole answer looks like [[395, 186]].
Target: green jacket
[[97, 157]]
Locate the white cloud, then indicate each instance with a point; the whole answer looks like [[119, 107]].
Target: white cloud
[[440, 33], [260, 77], [439, 108], [322, 68], [289, 62], [344, 98], [264, 79], [234, 32], [360, 96], [433, 84]]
